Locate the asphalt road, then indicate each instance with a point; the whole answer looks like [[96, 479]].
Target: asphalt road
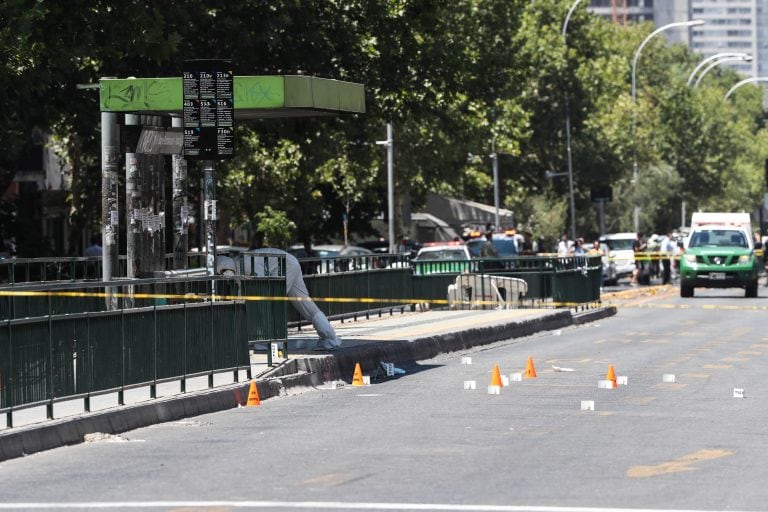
[[422, 442]]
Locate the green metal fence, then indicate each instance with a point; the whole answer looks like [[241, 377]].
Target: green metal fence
[[551, 281], [80, 355], [166, 329]]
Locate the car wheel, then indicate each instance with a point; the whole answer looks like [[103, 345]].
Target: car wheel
[[686, 291], [751, 289]]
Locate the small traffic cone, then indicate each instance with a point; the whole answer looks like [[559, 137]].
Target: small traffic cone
[[530, 369], [496, 377], [357, 377], [253, 395], [611, 376]]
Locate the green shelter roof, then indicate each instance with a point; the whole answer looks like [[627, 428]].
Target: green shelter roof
[[255, 96]]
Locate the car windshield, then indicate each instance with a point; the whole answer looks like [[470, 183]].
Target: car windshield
[[474, 246], [325, 253], [621, 244], [505, 247], [718, 238]]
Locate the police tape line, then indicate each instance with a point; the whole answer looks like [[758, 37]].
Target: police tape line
[[373, 300], [215, 297], [657, 256]]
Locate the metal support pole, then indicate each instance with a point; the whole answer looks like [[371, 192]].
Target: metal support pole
[[132, 195], [568, 128], [209, 178], [495, 158], [390, 186], [110, 218], [180, 208], [601, 207], [682, 214], [570, 167]]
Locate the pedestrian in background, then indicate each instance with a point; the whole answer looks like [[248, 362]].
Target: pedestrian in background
[[667, 248], [95, 248], [639, 246], [488, 250]]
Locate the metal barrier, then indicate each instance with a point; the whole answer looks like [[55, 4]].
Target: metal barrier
[[62, 341], [14, 271], [484, 291], [549, 281], [47, 359], [577, 279]]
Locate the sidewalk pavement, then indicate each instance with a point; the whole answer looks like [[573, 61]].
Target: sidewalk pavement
[[401, 337]]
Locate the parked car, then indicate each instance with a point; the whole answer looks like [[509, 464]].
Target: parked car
[[439, 257], [505, 244], [620, 254], [329, 258]]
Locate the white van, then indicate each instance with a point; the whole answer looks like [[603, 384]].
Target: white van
[[620, 256]]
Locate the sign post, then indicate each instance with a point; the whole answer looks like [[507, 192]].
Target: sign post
[[601, 195], [208, 125]]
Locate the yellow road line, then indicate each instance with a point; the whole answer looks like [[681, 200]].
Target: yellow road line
[[684, 463]]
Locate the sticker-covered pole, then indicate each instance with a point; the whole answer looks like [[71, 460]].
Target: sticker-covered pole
[[210, 216], [180, 208], [109, 206]]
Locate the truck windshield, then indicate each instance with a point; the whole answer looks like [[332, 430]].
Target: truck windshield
[[718, 238]]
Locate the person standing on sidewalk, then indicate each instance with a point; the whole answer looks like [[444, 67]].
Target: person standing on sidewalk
[[667, 248], [639, 246]]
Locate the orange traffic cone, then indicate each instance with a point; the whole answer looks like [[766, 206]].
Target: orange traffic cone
[[530, 369], [496, 377], [357, 377], [611, 376], [253, 395]]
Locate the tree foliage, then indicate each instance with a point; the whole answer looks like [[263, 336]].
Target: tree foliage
[[459, 77]]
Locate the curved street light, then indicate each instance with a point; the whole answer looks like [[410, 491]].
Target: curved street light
[[748, 58], [568, 125], [745, 82], [691, 23], [710, 59]]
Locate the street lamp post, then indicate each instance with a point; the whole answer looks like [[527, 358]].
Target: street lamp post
[[389, 143], [494, 156], [568, 125], [706, 61], [747, 58], [495, 160], [691, 23], [745, 82]]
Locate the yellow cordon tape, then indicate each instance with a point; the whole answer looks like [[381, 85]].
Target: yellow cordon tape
[[371, 300], [264, 298]]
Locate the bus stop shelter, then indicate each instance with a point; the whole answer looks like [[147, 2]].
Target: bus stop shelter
[[143, 107]]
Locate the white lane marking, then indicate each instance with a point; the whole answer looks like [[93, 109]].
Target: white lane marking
[[319, 505]]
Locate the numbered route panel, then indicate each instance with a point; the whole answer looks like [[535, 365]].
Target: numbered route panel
[[208, 109]]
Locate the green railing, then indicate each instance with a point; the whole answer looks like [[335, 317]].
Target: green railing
[[48, 359], [61, 341], [552, 282], [14, 271]]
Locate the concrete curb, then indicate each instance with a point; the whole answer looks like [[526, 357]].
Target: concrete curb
[[292, 377]]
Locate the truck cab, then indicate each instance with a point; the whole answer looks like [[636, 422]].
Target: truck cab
[[719, 253]]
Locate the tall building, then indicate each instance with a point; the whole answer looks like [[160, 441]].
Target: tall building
[[731, 26]]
